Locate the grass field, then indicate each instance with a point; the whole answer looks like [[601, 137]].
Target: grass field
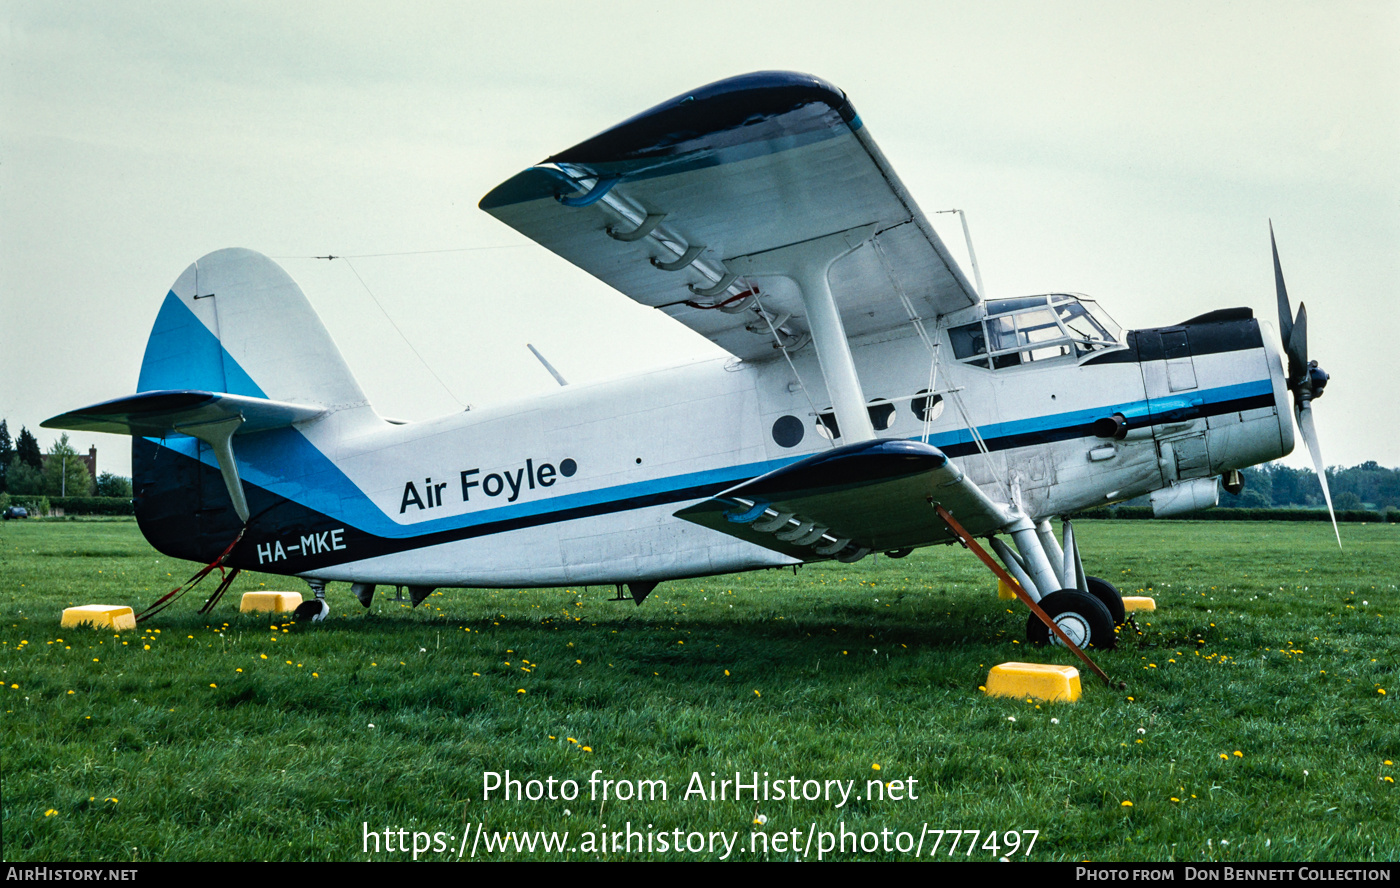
[[1259, 722]]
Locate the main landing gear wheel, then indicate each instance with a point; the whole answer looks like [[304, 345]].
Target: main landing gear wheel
[[1082, 617], [1112, 599]]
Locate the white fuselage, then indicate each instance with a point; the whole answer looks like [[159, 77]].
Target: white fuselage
[[641, 448]]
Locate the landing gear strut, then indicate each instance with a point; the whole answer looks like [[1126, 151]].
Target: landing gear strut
[[1026, 595], [1046, 570]]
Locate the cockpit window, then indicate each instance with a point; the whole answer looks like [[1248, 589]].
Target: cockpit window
[[1034, 328], [968, 342]]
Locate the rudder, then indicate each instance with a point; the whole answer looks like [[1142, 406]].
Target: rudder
[[236, 322]]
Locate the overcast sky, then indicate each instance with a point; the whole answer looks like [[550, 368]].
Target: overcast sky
[[1133, 152]]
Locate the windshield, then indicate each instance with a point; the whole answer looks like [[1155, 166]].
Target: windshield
[[1035, 328]]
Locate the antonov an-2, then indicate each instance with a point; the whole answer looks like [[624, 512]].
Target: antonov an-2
[[868, 393]]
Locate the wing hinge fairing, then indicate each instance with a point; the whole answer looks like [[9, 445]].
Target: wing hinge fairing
[[721, 287]]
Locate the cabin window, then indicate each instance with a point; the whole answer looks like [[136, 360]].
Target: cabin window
[[927, 408], [788, 431], [881, 414]]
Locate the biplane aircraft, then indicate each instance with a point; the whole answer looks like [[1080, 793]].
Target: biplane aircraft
[[869, 391]]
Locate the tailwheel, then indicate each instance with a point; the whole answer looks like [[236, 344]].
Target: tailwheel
[[314, 610], [1112, 599], [1084, 618]]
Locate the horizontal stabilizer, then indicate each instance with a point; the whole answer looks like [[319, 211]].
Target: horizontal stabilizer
[[873, 496], [158, 414]]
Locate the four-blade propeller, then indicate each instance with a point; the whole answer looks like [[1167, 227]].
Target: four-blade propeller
[[1305, 379]]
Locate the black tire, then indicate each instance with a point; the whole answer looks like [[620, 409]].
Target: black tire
[[1112, 599], [314, 610], [1084, 618]]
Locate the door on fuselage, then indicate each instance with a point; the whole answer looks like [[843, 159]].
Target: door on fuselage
[[1174, 402]]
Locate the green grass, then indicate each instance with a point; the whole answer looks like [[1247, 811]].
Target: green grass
[[154, 746]]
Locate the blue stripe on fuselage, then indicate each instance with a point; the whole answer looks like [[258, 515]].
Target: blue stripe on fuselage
[[322, 486]]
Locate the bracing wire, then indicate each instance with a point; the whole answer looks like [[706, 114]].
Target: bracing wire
[[408, 252], [778, 340], [396, 327]]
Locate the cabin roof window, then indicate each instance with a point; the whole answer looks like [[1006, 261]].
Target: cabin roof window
[[1031, 329]]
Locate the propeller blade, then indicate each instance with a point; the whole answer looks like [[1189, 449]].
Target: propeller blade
[[1305, 424], [1285, 311], [1297, 346]]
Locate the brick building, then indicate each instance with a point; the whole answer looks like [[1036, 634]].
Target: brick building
[[91, 461]]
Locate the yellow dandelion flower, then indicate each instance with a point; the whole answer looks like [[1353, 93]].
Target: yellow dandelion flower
[[1224, 756], [1126, 804], [756, 693], [587, 749], [520, 691], [875, 767], [1238, 754]]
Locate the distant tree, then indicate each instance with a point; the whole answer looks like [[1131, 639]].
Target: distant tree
[[1294, 487], [65, 473], [1346, 500], [7, 452], [113, 485], [27, 449], [23, 479], [1250, 498]]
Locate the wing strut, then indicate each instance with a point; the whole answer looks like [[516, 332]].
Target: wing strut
[[219, 435], [807, 264], [1010, 581]]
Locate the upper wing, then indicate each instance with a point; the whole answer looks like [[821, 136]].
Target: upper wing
[[738, 167], [874, 496]]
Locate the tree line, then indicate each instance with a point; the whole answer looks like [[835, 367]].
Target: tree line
[[25, 470], [1367, 486]]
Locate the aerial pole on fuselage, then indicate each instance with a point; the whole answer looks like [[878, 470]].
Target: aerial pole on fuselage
[[971, 254]]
